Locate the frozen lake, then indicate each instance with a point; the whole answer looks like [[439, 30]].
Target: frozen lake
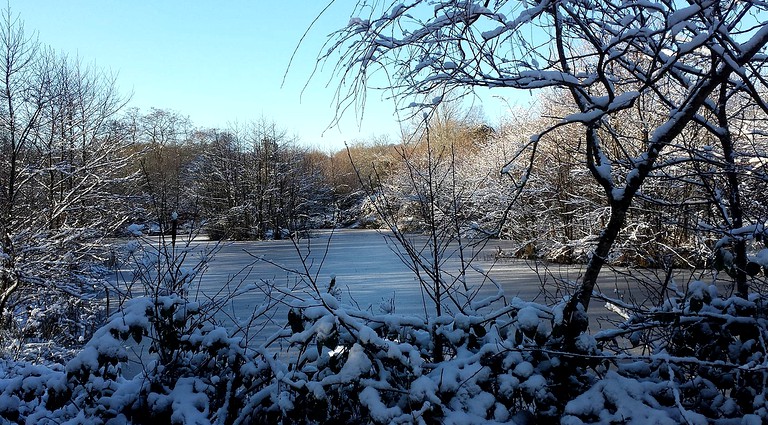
[[369, 273]]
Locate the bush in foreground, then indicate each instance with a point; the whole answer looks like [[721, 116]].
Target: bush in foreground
[[165, 359]]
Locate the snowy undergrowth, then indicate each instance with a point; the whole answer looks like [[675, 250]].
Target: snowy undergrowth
[[167, 358], [706, 364]]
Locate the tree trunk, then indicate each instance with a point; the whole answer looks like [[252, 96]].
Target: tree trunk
[[736, 214], [600, 255]]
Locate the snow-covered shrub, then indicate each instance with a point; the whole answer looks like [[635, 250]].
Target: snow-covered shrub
[[355, 366], [162, 357], [198, 374], [345, 365], [705, 364], [191, 368], [726, 336]]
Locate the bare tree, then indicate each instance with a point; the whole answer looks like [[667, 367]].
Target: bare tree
[[607, 56], [23, 98], [165, 136], [62, 160], [429, 209]]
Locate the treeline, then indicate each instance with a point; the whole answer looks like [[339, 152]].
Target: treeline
[[257, 182], [539, 193], [703, 200], [254, 181], [248, 183]]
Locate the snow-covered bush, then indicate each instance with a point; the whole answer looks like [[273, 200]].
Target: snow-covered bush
[[355, 366], [703, 363], [161, 358], [195, 374]]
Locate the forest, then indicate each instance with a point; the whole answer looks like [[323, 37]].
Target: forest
[[644, 151]]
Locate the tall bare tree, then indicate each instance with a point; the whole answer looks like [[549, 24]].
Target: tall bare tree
[[605, 55], [62, 160]]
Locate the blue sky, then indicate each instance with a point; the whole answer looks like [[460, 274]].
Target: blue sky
[[218, 62]]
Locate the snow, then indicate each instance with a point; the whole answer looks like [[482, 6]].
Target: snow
[[523, 370], [683, 14], [379, 412], [480, 404], [330, 300], [696, 42], [508, 385], [424, 388], [355, 22], [487, 35], [755, 43], [135, 229], [528, 319], [531, 79], [630, 401], [189, 404], [603, 168], [762, 257], [751, 420], [357, 364], [535, 386]]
